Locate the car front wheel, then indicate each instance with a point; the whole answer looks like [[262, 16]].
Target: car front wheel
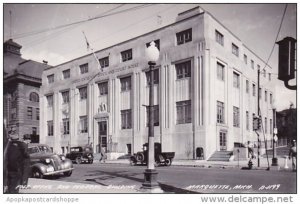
[[68, 173], [36, 173]]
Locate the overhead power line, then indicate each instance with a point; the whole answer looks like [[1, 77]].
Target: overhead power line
[[286, 5], [31, 33]]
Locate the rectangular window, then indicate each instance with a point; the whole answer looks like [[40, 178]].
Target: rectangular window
[[253, 90], [126, 55], [259, 93], [29, 113], [183, 69], [245, 59], [155, 78], [83, 122], [236, 117], [155, 117], [219, 38], [157, 44], [266, 125], [50, 127], [266, 96], [271, 126], [247, 120], [270, 77], [104, 62], [50, 78], [103, 88], [236, 80], [83, 93], [252, 64], [220, 112], [247, 86], [34, 130], [125, 84], [65, 96], [126, 119], [235, 50], [264, 73], [66, 124], [271, 98], [37, 114], [220, 71], [184, 114], [50, 100], [66, 74], [184, 36], [84, 68]]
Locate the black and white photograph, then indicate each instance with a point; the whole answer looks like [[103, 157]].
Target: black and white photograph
[[149, 98]]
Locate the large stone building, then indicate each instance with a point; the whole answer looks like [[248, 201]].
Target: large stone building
[[205, 92], [21, 82]]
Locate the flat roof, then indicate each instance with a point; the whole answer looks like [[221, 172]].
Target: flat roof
[[156, 30]]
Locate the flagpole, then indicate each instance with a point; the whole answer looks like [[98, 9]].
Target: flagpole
[[88, 47]]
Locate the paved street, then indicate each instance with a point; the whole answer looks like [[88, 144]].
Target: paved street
[[183, 179]]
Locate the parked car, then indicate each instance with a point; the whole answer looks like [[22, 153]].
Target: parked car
[[44, 162], [161, 158], [81, 154]]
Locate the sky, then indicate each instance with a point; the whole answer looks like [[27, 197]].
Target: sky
[[34, 26]]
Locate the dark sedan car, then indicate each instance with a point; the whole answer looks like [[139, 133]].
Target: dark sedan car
[[44, 162], [81, 154]]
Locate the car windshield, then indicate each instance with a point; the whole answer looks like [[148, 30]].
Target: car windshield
[[76, 149], [33, 150], [45, 149]]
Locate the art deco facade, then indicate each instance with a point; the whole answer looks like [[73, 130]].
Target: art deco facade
[[205, 92]]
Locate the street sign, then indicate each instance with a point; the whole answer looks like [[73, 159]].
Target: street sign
[[275, 131], [275, 138]]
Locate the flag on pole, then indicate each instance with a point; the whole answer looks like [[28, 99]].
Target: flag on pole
[[87, 42], [159, 20], [89, 48]]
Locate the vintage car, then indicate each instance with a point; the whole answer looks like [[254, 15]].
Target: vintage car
[[44, 162], [81, 154], [161, 158]]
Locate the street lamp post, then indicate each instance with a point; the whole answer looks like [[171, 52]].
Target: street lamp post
[[150, 174]]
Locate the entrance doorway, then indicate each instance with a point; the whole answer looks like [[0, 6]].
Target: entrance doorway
[[223, 140], [102, 141]]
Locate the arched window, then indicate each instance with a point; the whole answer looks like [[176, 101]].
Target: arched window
[[34, 97]]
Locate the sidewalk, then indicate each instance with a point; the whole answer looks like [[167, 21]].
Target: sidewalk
[[54, 186], [220, 164]]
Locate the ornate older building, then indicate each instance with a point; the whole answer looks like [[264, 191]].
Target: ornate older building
[[205, 92], [22, 79]]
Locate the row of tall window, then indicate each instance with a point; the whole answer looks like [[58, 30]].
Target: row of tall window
[[236, 118], [182, 37], [236, 82], [219, 37], [183, 109]]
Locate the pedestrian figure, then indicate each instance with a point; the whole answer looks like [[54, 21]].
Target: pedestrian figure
[[102, 155], [17, 155], [250, 151], [293, 154]]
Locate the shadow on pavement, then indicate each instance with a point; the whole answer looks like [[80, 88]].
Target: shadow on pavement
[[132, 176]]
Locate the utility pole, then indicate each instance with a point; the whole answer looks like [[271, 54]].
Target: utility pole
[[258, 113]]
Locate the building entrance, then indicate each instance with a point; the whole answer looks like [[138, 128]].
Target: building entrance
[[102, 136], [223, 141]]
